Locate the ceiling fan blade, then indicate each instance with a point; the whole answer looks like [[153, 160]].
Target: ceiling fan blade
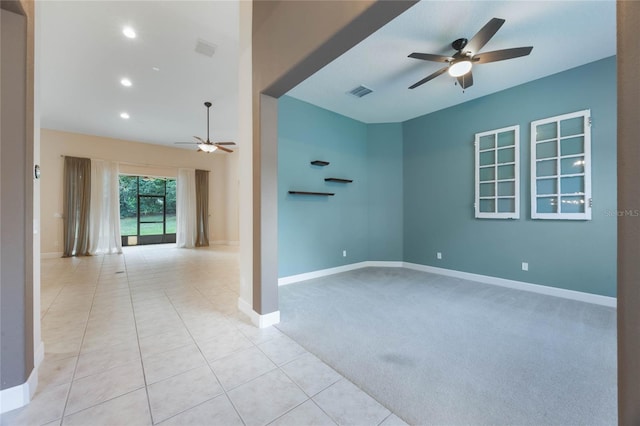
[[484, 35], [429, 77], [501, 55], [430, 57], [200, 139], [225, 143], [223, 148], [466, 80], [185, 143]]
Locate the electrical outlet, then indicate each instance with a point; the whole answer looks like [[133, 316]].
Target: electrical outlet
[[525, 266], [438, 255], [344, 253]]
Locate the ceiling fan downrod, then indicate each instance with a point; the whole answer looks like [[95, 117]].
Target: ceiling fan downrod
[[208, 105]]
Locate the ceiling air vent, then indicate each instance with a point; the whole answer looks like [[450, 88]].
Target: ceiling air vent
[[205, 48], [360, 91]]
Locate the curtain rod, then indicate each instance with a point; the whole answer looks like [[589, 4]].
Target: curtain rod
[[137, 164]]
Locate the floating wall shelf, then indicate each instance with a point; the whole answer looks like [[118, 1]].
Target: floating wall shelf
[[311, 193], [338, 180], [320, 163]]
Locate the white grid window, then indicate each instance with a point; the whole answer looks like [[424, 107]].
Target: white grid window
[[498, 174], [561, 167]]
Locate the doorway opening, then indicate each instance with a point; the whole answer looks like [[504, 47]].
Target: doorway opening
[[147, 210]]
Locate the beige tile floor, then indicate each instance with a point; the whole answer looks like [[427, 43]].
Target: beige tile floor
[[154, 336]]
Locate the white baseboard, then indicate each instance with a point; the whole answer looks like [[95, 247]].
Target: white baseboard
[[19, 396], [338, 269], [383, 264], [518, 285], [260, 321], [51, 255], [224, 243], [14, 397], [319, 273]]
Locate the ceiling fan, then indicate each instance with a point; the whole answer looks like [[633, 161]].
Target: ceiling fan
[[208, 146], [460, 63]]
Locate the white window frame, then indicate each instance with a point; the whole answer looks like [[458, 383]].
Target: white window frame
[[586, 197], [516, 178]]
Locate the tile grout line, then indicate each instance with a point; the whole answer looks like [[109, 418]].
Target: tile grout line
[[135, 324], [385, 419], [224, 391], [66, 403], [309, 398], [42, 315], [342, 377]]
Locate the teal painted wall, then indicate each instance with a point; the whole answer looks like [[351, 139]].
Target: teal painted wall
[[439, 187], [313, 231], [413, 188], [384, 164], [364, 217]]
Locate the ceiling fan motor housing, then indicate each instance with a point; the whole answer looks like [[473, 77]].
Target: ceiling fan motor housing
[[459, 44]]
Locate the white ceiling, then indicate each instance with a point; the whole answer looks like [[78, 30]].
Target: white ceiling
[[564, 34], [83, 55]]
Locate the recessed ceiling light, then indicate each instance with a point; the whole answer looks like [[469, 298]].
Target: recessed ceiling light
[[129, 32], [125, 82], [155, 68], [124, 115]]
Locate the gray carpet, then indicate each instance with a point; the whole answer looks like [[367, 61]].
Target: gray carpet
[[444, 351]]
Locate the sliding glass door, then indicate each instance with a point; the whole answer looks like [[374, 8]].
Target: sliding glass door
[[147, 210]]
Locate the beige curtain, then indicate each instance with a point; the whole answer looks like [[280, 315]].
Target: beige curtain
[[77, 196], [202, 208]]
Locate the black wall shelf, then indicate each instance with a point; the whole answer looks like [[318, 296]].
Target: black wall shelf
[[338, 180], [320, 163], [311, 193]]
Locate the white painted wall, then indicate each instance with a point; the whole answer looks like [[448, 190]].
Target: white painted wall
[[38, 345], [245, 139]]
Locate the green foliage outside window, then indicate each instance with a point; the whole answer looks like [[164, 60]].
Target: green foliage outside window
[[151, 209]]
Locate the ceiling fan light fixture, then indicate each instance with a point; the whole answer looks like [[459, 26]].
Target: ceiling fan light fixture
[[206, 147], [129, 32], [460, 68]]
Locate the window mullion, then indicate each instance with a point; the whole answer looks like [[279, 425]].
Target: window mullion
[[497, 176], [573, 184]]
